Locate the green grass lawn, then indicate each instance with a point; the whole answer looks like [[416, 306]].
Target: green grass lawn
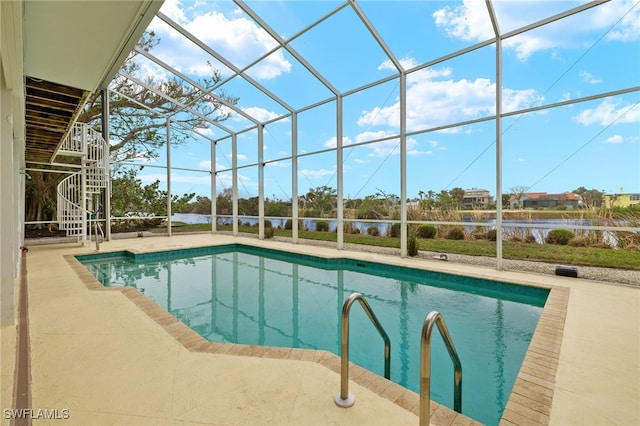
[[552, 253]]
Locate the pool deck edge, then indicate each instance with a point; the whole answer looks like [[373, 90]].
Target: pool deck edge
[[570, 375]]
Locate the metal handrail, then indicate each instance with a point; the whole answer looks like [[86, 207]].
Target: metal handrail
[[344, 398], [432, 318]]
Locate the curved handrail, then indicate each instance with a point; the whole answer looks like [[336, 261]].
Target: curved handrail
[[74, 190], [434, 317], [344, 398]]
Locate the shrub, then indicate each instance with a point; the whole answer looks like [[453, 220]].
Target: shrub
[[634, 247], [426, 231], [268, 232], [579, 242], [412, 245], [267, 224], [625, 238], [373, 231], [492, 235], [456, 233], [288, 224], [350, 229], [322, 226], [394, 231], [530, 239], [559, 236]]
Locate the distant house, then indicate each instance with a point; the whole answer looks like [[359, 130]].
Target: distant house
[[477, 199], [621, 200], [542, 200]]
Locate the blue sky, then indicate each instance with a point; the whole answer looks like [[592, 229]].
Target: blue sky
[[595, 144]]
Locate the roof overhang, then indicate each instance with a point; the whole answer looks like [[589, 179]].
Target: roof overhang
[[72, 49]]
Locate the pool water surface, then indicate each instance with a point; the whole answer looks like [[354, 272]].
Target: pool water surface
[[249, 295]]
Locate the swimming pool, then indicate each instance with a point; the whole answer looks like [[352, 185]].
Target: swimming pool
[[243, 294]]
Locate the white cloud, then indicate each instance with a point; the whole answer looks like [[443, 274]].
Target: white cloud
[[206, 164], [333, 142], [281, 164], [361, 161], [470, 22], [608, 112], [407, 63], [628, 29], [261, 114], [614, 139], [587, 77], [386, 147], [237, 38], [241, 157], [315, 174], [370, 135], [435, 99], [241, 41], [173, 9]]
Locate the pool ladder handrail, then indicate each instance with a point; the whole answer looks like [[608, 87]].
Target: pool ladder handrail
[[434, 317], [344, 398]]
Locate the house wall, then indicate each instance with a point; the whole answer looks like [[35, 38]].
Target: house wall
[[621, 200], [11, 156]]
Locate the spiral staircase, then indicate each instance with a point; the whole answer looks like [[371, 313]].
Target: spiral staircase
[[77, 192]]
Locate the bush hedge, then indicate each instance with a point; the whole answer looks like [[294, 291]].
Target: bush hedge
[[559, 236], [426, 231]]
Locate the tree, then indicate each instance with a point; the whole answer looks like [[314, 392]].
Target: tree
[[392, 201], [320, 200], [444, 200], [136, 131], [517, 192], [505, 201], [591, 198], [371, 208], [40, 196], [128, 195], [457, 194], [224, 203]]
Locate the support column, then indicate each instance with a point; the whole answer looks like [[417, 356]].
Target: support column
[[83, 185], [8, 237], [294, 178], [339, 169], [234, 183], [214, 219], [261, 181], [169, 213], [107, 191], [403, 164], [496, 30]]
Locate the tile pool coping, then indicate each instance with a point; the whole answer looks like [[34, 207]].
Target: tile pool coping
[[531, 395]]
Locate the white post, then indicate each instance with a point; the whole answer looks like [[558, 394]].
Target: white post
[[107, 191], [339, 169], [261, 181], [234, 184], [496, 30], [403, 164], [83, 186], [169, 177], [213, 188], [294, 178]]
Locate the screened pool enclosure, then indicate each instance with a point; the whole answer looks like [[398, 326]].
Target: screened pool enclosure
[[382, 108]]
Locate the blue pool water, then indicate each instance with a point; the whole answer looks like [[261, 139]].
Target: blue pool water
[[249, 295]]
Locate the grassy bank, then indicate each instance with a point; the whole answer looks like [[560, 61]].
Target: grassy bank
[[552, 253]]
